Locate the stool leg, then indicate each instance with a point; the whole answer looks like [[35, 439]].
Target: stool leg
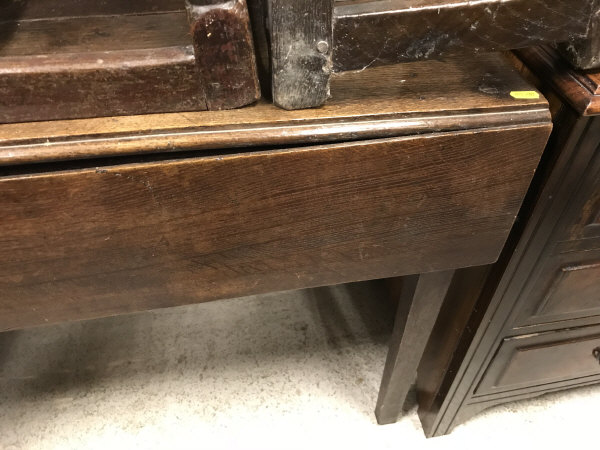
[[229, 77], [301, 47], [421, 298]]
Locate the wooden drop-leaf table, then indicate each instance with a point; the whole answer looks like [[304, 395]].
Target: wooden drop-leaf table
[[412, 170]]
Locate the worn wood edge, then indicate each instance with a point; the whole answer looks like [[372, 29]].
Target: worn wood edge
[[97, 84], [42, 9], [571, 85], [377, 98], [94, 33], [14, 152], [111, 162], [95, 61]]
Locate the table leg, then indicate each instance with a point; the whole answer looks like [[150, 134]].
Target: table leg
[[421, 298]]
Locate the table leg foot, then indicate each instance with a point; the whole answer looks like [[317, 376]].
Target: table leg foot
[[421, 298]]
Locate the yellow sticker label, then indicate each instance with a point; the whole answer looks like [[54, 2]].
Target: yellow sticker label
[[524, 94]]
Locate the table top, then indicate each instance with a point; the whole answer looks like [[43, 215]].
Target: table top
[[410, 98]]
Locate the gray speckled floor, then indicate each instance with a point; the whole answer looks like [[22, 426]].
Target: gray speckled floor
[[290, 370]]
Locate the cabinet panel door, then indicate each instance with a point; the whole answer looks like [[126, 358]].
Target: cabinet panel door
[[568, 287], [543, 358], [584, 212]]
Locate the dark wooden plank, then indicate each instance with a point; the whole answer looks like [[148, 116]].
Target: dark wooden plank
[[109, 240], [92, 34], [68, 85], [416, 97], [420, 302], [301, 48], [366, 34], [224, 49], [11, 10]]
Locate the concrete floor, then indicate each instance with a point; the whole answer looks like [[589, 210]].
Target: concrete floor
[[289, 370]]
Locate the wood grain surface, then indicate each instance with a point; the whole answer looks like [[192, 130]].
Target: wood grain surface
[[11, 10], [94, 33], [109, 240], [99, 83], [417, 97]]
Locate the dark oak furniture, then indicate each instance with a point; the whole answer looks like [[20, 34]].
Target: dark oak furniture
[[415, 169], [530, 323], [80, 58], [311, 39]]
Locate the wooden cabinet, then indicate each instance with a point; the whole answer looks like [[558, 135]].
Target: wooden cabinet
[[532, 320]]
